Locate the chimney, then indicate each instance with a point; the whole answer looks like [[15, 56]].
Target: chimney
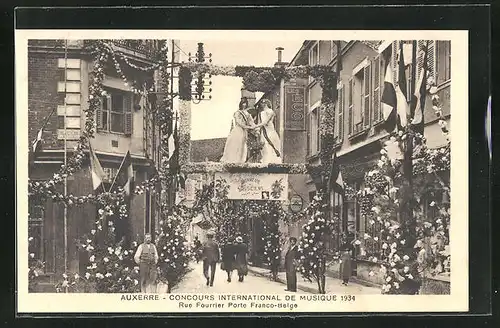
[[280, 62]]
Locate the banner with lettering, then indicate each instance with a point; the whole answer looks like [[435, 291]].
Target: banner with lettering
[[255, 186], [295, 109]]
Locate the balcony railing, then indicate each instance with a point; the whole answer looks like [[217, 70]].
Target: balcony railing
[[143, 47]]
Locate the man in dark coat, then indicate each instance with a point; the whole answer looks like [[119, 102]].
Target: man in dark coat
[[210, 255], [228, 258], [290, 266]]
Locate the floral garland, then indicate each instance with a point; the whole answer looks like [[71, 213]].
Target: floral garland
[[312, 244], [263, 79], [438, 107], [402, 264]]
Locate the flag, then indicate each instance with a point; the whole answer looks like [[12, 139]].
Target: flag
[[96, 171], [125, 175], [418, 98], [37, 144], [401, 91], [173, 149], [336, 183], [389, 101]]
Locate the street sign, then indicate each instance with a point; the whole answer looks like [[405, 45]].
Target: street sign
[[71, 134]]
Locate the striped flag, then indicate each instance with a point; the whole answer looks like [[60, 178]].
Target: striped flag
[[173, 149], [37, 144], [125, 175], [389, 101], [418, 98], [96, 171], [336, 183], [401, 90]]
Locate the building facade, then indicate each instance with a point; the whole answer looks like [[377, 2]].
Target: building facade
[[358, 119], [59, 76]]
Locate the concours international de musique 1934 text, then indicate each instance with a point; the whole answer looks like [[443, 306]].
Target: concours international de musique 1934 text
[[238, 301]]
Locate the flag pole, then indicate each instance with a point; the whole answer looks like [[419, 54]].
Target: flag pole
[[65, 162]]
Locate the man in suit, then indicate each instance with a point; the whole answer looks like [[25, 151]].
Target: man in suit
[[210, 256], [290, 266]]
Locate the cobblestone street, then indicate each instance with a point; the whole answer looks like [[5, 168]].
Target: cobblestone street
[[195, 282], [258, 282]]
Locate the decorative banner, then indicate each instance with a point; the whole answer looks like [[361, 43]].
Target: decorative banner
[[260, 186], [295, 116]]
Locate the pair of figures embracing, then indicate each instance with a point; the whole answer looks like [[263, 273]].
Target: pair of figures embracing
[[261, 136]]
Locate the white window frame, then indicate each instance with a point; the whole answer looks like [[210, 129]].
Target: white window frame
[[110, 112], [443, 83], [310, 55]]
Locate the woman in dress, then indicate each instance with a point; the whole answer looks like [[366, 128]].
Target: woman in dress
[[228, 258], [241, 251], [270, 150], [235, 150]]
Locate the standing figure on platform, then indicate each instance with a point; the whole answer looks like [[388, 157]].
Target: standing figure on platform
[[210, 255], [147, 258], [270, 150], [236, 149], [241, 263], [290, 266], [228, 258]]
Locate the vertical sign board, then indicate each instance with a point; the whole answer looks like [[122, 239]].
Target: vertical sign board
[[295, 115]]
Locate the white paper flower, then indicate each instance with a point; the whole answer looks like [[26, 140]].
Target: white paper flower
[[406, 257], [92, 258], [87, 275], [105, 259]]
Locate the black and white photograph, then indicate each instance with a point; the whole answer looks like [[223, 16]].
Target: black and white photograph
[[254, 172]]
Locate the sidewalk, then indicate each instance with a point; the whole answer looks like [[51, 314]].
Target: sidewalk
[[333, 285]]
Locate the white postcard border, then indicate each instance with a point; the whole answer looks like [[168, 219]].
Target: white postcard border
[[63, 303]]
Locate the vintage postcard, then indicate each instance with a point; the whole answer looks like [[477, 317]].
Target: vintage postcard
[[225, 171]]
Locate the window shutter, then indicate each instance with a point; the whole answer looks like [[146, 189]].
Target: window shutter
[[366, 95], [432, 60], [338, 109], [376, 89], [394, 60], [127, 108], [341, 114], [420, 56], [99, 120], [350, 113]]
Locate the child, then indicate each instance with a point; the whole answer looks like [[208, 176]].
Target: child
[[345, 265]]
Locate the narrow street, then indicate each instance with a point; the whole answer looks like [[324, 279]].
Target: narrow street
[[195, 282]]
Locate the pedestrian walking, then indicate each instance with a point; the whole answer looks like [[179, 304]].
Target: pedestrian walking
[[291, 266], [345, 264], [197, 248], [146, 257], [210, 255], [241, 263], [228, 258]]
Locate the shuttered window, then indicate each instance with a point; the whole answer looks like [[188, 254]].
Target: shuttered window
[[341, 114], [431, 59], [394, 60], [376, 87], [366, 95], [115, 114], [350, 118], [443, 61]]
